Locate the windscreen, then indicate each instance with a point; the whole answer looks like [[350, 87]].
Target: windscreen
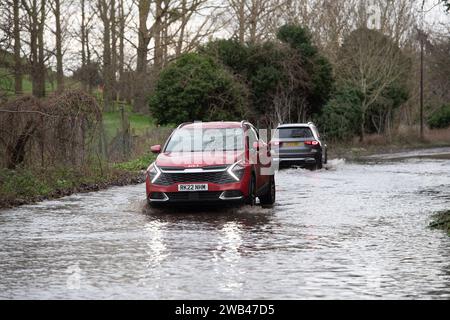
[[292, 133], [194, 140]]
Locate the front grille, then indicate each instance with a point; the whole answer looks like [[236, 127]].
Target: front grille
[[193, 196], [167, 179]]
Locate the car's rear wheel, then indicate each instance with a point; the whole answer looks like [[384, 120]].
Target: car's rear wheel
[[319, 162], [269, 197], [251, 198]]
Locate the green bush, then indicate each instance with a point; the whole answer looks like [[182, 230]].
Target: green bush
[[441, 118], [138, 164], [316, 66], [289, 69], [341, 117], [196, 87], [22, 183]]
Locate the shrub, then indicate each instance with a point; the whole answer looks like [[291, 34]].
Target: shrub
[[196, 87], [441, 118], [287, 79], [138, 164], [316, 66], [341, 117], [22, 183]]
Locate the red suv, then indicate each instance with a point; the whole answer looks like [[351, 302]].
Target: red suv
[[222, 162]]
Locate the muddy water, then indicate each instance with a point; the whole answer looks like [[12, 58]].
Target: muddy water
[[352, 231]]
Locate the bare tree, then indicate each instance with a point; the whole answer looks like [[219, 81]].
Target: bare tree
[[370, 62], [397, 18], [83, 35], [105, 11], [36, 13], [58, 32], [255, 20], [238, 7], [144, 37], [122, 20], [17, 49]]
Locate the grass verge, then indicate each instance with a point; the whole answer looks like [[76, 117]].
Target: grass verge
[[24, 186], [441, 221], [377, 144], [139, 123]]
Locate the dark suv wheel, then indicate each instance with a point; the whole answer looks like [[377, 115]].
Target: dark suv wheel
[[269, 197], [319, 162]]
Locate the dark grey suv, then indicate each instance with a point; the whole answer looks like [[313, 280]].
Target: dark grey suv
[[298, 144]]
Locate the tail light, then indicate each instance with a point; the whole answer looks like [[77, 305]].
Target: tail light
[[275, 143], [312, 143]]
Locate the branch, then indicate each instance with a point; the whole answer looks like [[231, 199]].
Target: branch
[[29, 111]]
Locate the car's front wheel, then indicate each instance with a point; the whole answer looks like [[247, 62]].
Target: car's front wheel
[[269, 197], [251, 198]]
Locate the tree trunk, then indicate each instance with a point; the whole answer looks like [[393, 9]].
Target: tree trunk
[[88, 61], [242, 22], [32, 12], [158, 52], [17, 149], [363, 128], [107, 74], [59, 54], [121, 62], [253, 23], [165, 43], [140, 103], [40, 79], [113, 50], [17, 46], [184, 20], [34, 57], [84, 76]]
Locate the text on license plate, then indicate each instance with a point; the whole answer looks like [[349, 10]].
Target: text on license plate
[[292, 144], [192, 187]]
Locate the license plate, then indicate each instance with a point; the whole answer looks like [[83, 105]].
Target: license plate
[[192, 187], [292, 144]]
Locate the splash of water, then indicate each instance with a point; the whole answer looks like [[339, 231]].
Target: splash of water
[[334, 164]]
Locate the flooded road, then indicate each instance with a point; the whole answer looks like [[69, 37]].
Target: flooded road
[[356, 230]]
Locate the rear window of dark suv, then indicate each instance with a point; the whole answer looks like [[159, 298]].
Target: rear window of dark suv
[[292, 133]]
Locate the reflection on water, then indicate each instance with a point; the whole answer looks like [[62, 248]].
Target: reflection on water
[[157, 250], [348, 231]]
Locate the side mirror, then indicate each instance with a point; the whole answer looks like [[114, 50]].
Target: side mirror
[[156, 149], [257, 145]]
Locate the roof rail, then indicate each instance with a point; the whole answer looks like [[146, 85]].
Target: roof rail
[[183, 124], [244, 122]]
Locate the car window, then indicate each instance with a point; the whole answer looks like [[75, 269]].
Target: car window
[[290, 133], [193, 140]]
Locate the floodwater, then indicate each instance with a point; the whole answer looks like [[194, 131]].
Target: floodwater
[[351, 231]]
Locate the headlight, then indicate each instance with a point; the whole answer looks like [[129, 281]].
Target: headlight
[[153, 172], [236, 171]]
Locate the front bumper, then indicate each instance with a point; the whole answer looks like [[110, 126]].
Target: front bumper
[[232, 196], [220, 193]]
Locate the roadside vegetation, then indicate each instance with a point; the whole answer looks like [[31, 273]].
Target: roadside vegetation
[[442, 221], [62, 146]]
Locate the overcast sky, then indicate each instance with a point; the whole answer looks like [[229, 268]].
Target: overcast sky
[[435, 16], [435, 19]]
